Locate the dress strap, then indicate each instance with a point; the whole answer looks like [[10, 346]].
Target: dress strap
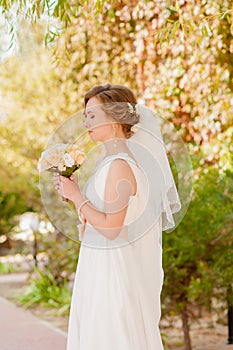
[[105, 160], [120, 155]]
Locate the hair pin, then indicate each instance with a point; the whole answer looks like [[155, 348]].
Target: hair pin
[[131, 109]]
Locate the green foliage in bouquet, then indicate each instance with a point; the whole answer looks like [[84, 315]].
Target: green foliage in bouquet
[[67, 173]]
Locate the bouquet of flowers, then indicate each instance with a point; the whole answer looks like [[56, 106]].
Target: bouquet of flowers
[[64, 159]]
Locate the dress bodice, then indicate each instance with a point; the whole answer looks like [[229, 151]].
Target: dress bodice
[[94, 190]]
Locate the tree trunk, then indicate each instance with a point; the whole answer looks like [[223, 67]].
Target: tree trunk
[[230, 314], [185, 325]]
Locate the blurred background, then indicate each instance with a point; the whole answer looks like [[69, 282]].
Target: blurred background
[[177, 57]]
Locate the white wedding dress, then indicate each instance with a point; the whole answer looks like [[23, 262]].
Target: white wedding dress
[[116, 295]]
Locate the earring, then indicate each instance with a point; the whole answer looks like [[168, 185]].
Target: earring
[[115, 140]]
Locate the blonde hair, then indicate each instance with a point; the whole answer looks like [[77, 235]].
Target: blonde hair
[[121, 111]]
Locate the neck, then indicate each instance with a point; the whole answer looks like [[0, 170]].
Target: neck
[[121, 146]]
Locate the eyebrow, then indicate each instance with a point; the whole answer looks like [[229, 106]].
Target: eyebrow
[[88, 112]]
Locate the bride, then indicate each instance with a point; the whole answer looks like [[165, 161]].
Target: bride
[[124, 206]]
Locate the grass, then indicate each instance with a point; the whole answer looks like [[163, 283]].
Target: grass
[[45, 292], [7, 268]]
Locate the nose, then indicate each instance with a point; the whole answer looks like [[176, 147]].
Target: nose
[[85, 124]]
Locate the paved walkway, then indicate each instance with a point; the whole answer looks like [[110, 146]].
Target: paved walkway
[[20, 330]]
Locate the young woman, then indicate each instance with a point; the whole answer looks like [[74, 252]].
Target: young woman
[[116, 295]]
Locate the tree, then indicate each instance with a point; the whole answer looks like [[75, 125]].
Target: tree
[[11, 205], [195, 270]]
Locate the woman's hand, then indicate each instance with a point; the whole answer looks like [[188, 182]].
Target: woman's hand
[[67, 187]]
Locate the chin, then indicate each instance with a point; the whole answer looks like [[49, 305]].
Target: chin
[[93, 137]]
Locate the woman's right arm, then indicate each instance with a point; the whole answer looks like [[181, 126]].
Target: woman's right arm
[[119, 187]]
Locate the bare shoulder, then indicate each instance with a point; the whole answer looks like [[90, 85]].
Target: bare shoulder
[[121, 170], [120, 167]]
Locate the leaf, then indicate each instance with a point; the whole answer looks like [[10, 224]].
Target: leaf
[[228, 18], [111, 13], [204, 30], [175, 28]]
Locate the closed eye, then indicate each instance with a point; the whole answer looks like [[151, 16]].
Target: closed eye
[[85, 115]]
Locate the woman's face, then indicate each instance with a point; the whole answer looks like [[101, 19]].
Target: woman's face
[[99, 125]]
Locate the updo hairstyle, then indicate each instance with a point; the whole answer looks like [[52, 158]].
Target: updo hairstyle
[[122, 111]]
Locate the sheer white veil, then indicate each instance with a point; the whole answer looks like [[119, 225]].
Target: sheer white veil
[[149, 150]]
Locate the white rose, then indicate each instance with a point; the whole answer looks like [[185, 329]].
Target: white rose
[[61, 167], [68, 160]]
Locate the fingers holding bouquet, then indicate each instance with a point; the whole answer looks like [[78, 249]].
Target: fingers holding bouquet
[[68, 188]]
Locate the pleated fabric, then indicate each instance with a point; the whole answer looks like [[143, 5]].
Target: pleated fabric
[[116, 294]]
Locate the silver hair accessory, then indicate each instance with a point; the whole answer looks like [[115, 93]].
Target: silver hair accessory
[[131, 109]]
